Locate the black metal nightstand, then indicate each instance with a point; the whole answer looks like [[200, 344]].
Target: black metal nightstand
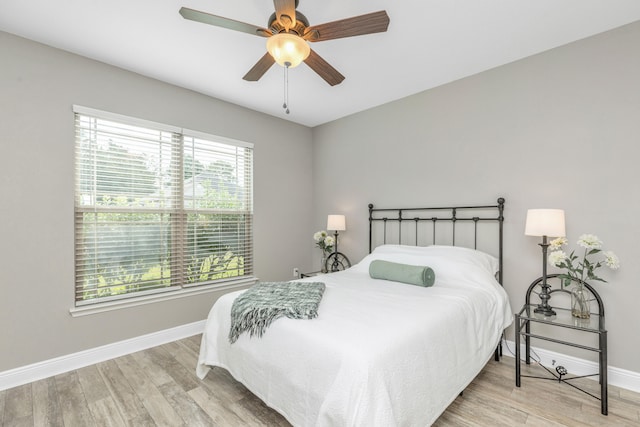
[[563, 319]]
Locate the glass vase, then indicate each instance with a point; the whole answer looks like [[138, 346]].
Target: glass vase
[[323, 262], [580, 302]]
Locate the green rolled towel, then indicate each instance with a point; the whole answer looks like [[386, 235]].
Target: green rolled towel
[[404, 273]]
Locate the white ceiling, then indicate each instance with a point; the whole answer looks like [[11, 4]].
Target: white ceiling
[[429, 43]]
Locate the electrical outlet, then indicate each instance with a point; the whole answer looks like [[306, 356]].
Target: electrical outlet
[[553, 363], [296, 272]]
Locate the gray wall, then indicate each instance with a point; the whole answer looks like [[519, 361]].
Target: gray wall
[[557, 130], [38, 86]]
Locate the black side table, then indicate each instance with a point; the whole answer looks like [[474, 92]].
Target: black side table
[[563, 318]]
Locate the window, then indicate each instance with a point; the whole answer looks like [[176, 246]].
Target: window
[[158, 208]]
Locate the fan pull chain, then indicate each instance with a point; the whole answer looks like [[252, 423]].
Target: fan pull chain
[[285, 104]]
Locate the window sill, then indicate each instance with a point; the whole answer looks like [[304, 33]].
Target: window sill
[[103, 307]]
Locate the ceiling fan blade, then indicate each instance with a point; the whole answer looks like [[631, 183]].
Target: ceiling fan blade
[[219, 21], [376, 22], [324, 70], [286, 12], [261, 67]]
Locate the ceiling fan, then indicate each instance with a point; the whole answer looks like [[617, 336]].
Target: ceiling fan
[[288, 32]]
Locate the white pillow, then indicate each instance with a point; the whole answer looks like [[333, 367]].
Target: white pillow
[[432, 256]]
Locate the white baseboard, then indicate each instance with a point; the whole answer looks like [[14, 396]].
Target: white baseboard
[[616, 376], [70, 362]]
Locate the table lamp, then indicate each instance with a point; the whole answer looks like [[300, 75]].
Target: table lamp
[[545, 222], [336, 223]]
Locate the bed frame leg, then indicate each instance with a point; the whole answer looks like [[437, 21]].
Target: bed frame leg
[[498, 353]]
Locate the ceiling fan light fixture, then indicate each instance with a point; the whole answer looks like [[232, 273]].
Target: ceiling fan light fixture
[[288, 50]]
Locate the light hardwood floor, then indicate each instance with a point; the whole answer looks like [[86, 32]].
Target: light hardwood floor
[[159, 387]]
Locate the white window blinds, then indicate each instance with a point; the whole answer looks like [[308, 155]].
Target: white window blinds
[[158, 208]]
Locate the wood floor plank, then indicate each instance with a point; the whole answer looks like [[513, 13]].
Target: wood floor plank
[[93, 385], [46, 405], [220, 382], [75, 411], [591, 408], [536, 421], [219, 411], [106, 414], [3, 393], [176, 348], [158, 375], [18, 405], [453, 418], [187, 348], [629, 396], [182, 376], [171, 347], [499, 388], [550, 407], [125, 398], [192, 343], [26, 421], [157, 406], [255, 410], [186, 358], [234, 396], [489, 409], [185, 406]]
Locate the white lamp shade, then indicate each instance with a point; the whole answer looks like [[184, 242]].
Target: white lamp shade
[[545, 222], [336, 223], [288, 49]]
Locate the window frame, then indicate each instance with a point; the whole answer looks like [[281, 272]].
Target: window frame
[[178, 219]]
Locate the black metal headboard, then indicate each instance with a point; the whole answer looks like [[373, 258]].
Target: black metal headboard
[[392, 220]]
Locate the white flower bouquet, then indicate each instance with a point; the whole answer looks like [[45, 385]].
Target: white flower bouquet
[[583, 268], [324, 241]]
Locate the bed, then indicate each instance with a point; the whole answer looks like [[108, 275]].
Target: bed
[[380, 352]]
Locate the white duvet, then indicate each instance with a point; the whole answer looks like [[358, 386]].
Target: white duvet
[[380, 353]]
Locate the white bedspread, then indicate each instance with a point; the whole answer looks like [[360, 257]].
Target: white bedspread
[[380, 353]]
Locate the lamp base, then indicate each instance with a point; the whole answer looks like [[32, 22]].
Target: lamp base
[[545, 311]]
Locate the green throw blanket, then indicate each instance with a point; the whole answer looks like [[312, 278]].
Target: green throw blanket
[[255, 309]]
